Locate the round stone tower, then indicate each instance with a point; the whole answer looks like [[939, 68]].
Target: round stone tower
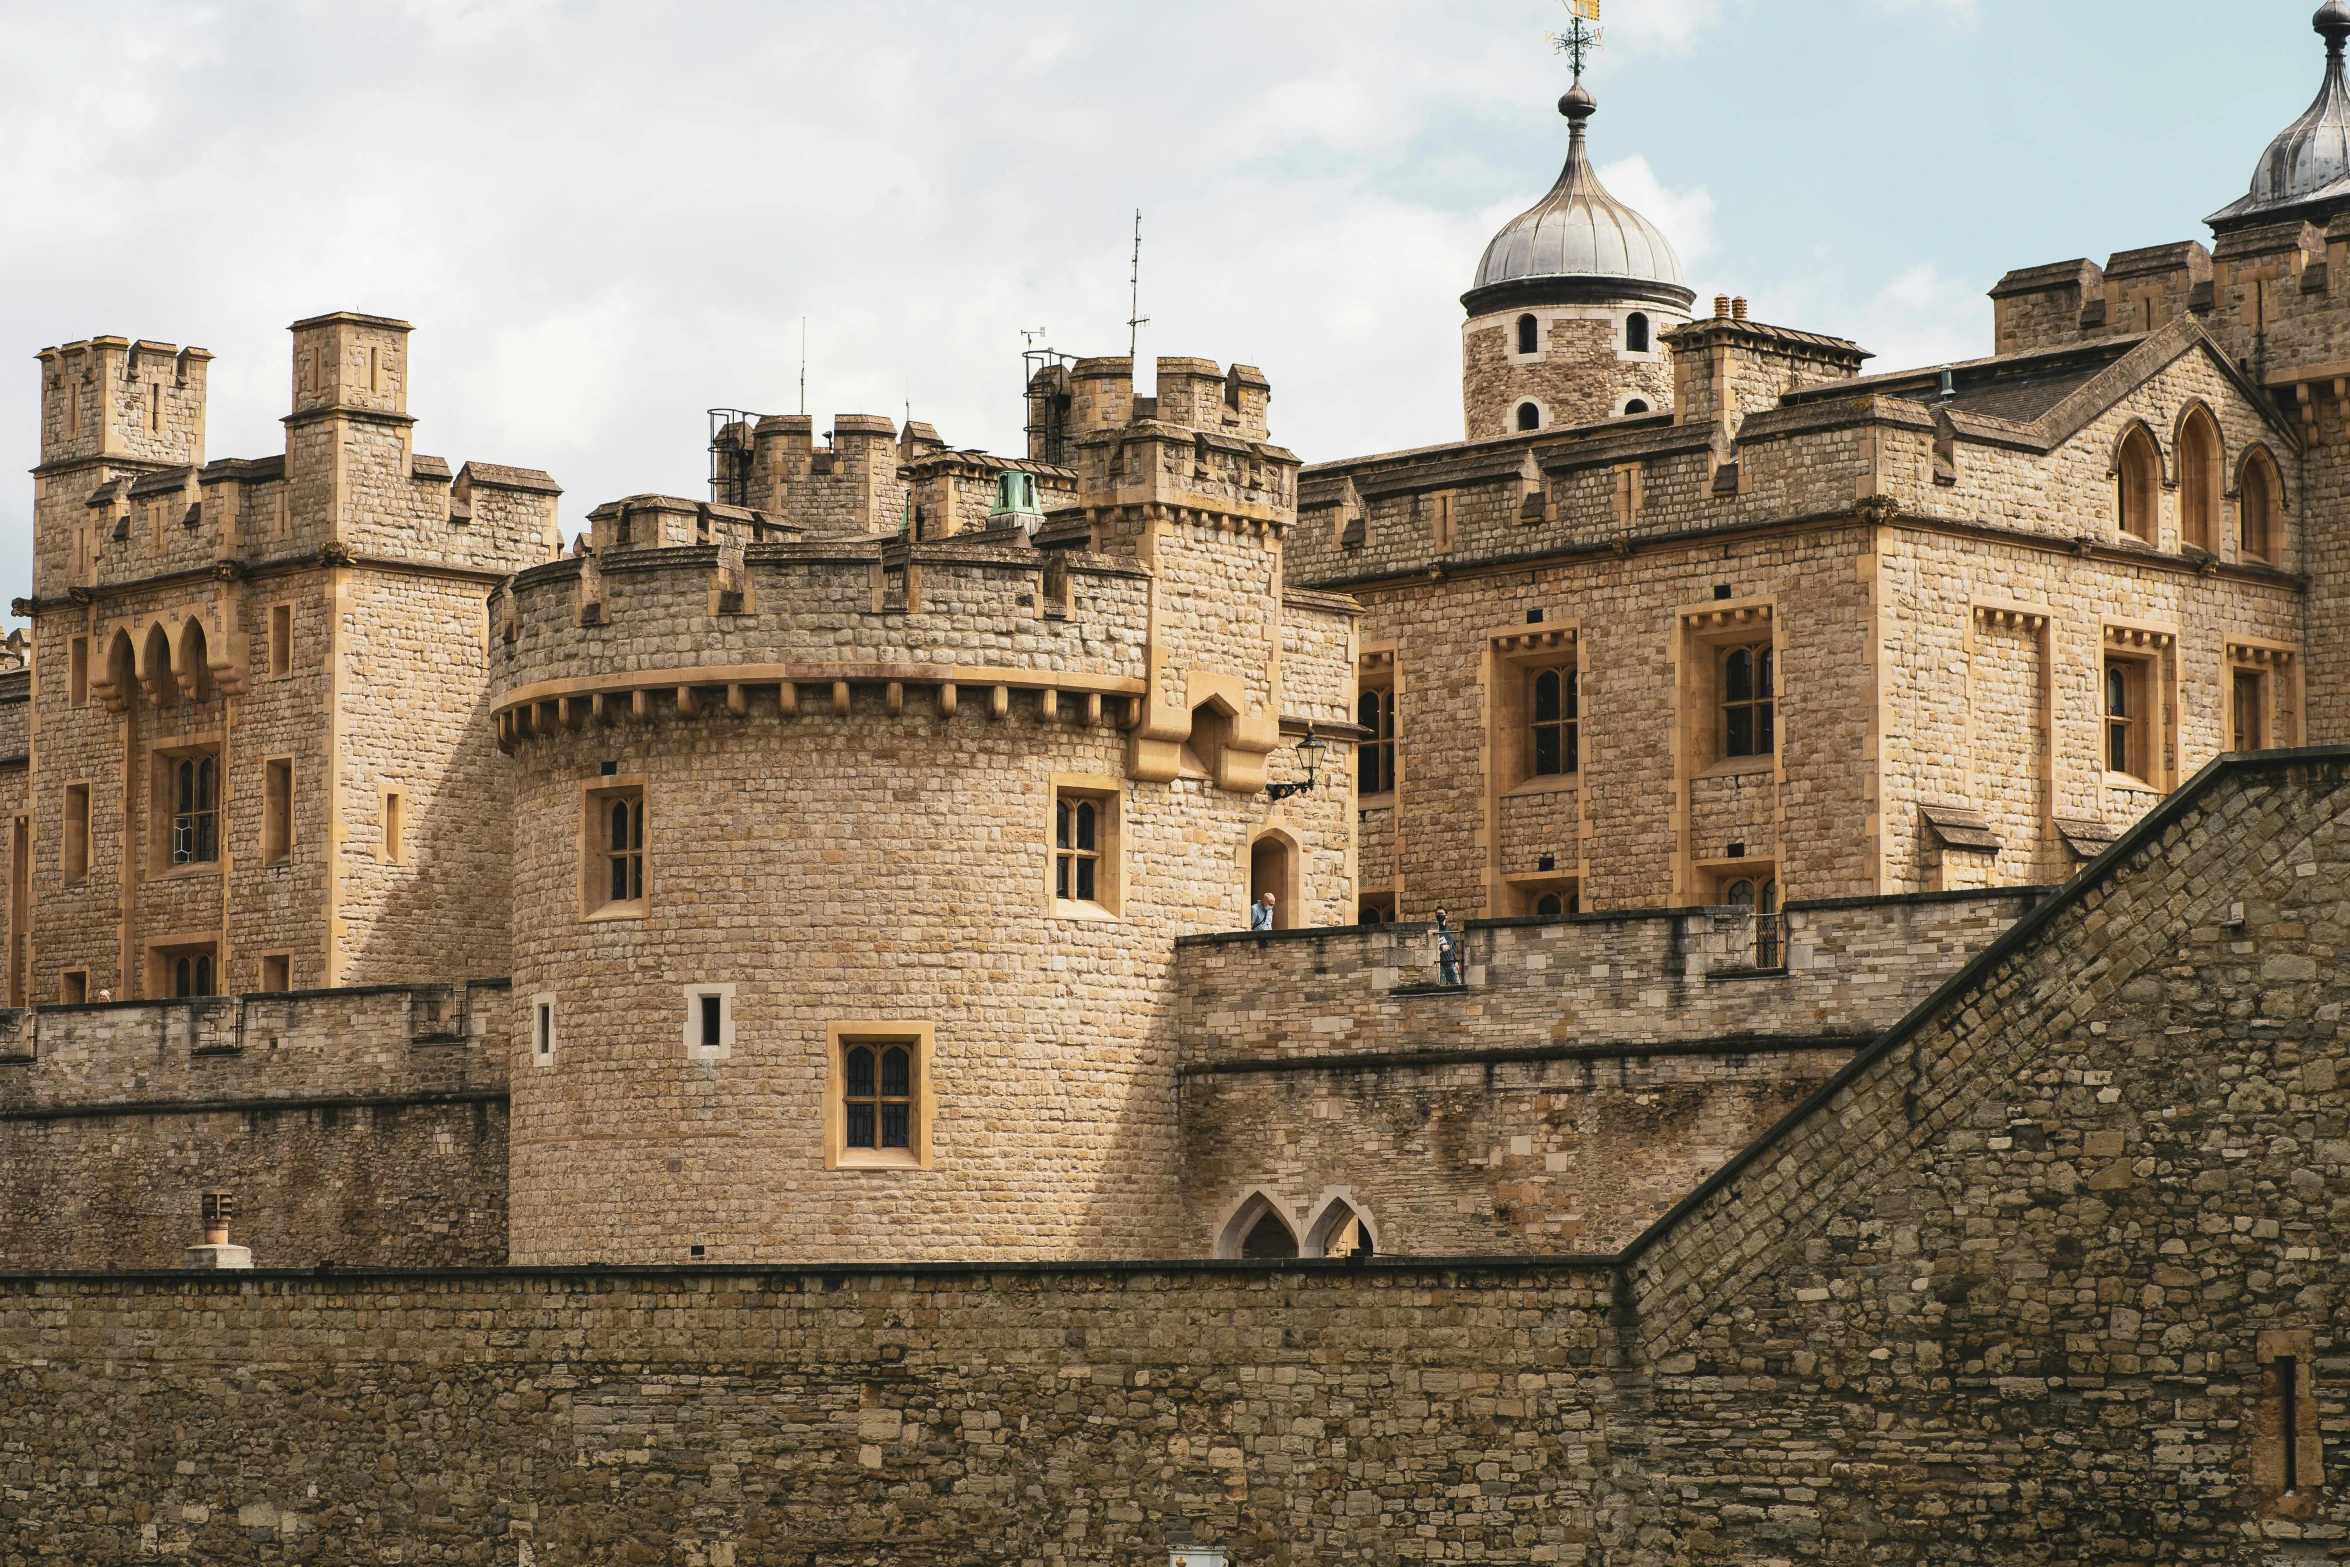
[[848, 871], [1573, 300]]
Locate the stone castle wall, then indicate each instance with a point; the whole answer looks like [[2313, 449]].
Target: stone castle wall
[[744, 1419], [355, 1125], [2060, 1247], [2046, 1272], [1594, 1072]]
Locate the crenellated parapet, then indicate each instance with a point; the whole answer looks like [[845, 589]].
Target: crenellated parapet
[[710, 631]]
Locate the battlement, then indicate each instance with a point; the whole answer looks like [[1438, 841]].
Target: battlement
[[1200, 442], [1839, 971], [812, 625], [113, 399], [355, 1043], [126, 495], [2276, 295], [350, 363]]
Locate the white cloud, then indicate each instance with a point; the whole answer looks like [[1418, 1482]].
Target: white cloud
[[1686, 216], [605, 217]]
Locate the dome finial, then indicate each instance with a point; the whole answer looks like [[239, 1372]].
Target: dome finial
[[2333, 22], [1578, 106]]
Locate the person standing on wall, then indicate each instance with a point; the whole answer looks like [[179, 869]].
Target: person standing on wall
[[1260, 913], [1448, 951]]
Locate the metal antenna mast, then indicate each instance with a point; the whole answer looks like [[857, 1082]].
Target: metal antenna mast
[[803, 364], [1136, 320], [1581, 40]]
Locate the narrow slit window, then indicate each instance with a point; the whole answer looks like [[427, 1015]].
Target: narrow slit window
[[1557, 709], [543, 1030], [277, 810], [2251, 711], [2118, 719], [281, 639], [713, 1012], [77, 671], [1077, 855], [1636, 333], [2129, 712], [395, 849], [77, 832], [1375, 756], [1529, 335]]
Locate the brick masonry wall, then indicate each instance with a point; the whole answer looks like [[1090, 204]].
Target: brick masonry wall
[[365, 1126]]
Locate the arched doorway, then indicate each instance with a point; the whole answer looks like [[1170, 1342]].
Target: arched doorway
[[1257, 1230], [1340, 1231], [1272, 867]]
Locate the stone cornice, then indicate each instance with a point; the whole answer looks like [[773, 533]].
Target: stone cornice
[[1684, 538]]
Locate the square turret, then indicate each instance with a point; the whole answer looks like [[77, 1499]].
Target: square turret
[[351, 362]]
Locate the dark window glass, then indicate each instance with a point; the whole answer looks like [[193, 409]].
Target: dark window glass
[[1557, 703], [1550, 906], [625, 849], [2118, 719], [860, 1098], [1375, 757], [1749, 709], [195, 815], [1077, 850], [880, 1111], [1635, 406], [713, 1011], [1529, 335], [1529, 417], [1636, 333]]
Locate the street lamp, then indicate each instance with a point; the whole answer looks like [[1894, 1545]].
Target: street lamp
[[1309, 748]]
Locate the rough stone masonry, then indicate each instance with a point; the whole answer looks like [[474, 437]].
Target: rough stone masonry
[[2050, 1272]]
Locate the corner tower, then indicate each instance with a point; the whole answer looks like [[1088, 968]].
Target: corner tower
[[1568, 317]]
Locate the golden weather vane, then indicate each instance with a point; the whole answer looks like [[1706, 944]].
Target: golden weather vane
[[1581, 40]]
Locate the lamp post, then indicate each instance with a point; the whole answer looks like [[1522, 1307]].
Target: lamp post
[[1311, 748]]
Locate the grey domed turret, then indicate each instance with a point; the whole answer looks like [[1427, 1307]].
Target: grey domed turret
[[2305, 173], [1578, 234], [1571, 304]]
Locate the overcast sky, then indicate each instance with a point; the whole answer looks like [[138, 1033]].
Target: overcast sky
[[605, 218]]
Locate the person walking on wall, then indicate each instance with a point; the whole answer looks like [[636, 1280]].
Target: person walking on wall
[[1260, 913], [1448, 951]]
